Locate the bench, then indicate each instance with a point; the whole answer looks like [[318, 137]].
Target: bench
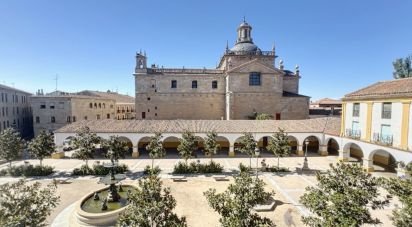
[[62, 180], [265, 207], [179, 178], [220, 178]]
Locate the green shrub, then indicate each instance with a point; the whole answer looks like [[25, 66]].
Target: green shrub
[[27, 170], [182, 168], [98, 169], [84, 170], [195, 167], [148, 170], [244, 168], [276, 169]]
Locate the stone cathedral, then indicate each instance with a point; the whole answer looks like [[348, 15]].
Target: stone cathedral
[[245, 82]]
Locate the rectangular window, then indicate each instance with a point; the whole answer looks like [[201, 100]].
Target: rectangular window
[[85, 118], [61, 105], [42, 105], [53, 120], [51, 105], [277, 116], [214, 84], [143, 115], [386, 110], [386, 130], [356, 109], [194, 84], [74, 118], [37, 119], [98, 117], [69, 119], [108, 116], [173, 84], [254, 79]]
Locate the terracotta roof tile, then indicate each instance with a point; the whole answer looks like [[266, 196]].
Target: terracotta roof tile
[[384, 89], [202, 126]]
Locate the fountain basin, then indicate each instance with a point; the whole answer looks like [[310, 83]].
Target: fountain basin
[[87, 212]]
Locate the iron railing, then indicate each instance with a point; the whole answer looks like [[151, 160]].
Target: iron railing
[[355, 134], [382, 139]]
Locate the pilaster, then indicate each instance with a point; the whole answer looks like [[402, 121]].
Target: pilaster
[[368, 132], [135, 153], [405, 125]]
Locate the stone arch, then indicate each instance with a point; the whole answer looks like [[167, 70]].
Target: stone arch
[[224, 144], [129, 143], [332, 147], [170, 144], [262, 143], [237, 145], [200, 143], [354, 151], [313, 146], [383, 161], [141, 145], [293, 143]]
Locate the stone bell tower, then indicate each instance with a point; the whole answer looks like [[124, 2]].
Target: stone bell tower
[[141, 61]]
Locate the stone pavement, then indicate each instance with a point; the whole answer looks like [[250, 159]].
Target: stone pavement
[[288, 187]]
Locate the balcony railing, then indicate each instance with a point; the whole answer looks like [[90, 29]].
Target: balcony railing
[[386, 114], [382, 139], [355, 134]]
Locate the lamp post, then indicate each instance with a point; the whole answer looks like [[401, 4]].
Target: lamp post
[[305, 161], [257, 153]]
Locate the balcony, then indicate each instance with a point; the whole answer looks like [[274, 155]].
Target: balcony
[[354, 134], [386, 140]]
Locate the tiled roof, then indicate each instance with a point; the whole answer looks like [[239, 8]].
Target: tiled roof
[[202, 126], [327, 101], [119, 98], [384, 89], [291, 94]]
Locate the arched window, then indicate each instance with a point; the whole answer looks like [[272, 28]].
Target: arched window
[[91, 105], [100, 105], [95, 105]]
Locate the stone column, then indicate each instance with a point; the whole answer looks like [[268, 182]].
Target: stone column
[[135, 153], [343, 156], [323, 150], [300, 151], [367, 165], [231, 151]]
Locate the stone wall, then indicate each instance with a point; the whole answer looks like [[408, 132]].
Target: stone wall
[[291, 84]]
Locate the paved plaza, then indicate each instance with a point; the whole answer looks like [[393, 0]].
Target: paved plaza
[[189, 195]]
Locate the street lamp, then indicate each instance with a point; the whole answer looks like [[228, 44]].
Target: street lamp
[[305, 161], [257, 153]]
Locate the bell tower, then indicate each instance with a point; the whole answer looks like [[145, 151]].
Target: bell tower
[[141, 61], [244, 33]]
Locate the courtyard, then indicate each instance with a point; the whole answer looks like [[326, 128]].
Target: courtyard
[[191, 203]]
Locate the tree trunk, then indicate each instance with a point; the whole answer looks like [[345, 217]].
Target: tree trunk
[[250, 162], [278, 162], [152, 163]]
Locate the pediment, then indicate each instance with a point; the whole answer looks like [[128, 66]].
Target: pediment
[[254, 66]]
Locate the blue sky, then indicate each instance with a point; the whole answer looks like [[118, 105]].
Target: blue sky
[[340, 46]]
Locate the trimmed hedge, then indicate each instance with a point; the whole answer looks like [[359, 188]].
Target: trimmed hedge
[[148, 170], [98, 170], [194, 167], [27, 171]]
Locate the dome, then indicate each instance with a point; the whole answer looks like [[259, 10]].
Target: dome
[[247, 47], [244, 24]]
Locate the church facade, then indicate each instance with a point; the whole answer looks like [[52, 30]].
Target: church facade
[[245, 82]]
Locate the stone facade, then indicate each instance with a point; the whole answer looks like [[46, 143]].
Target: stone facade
[[15, 110], [245, 82], [57, 109]]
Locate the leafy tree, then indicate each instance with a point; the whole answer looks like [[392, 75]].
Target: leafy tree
[[402, 188], [42, 146], [279, 145], [263, 116], [187, 146], [151, 206], [23, 204], [342, 197], [248, 146], [402, 67], [236, 203], [85, 143], [11, 145], [155, 147], [116, 148], [211, 146]]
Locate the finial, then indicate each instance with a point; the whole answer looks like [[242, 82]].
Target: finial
[[273, 47], [297, 70], [281, 66], [244, 19]]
